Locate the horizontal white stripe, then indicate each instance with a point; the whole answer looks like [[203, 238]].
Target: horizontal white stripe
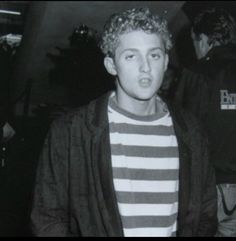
[[150, 232], [126, 185], [142, 140], [148, 209], [118, 118], [145, 163]]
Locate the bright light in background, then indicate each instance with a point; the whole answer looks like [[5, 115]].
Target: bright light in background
[[13, 40], [10, 12]]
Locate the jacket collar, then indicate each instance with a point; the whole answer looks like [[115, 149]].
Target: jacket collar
[[97, 118]]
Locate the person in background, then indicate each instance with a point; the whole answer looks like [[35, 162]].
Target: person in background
[[6, 130], [129, 163], [208, 90]]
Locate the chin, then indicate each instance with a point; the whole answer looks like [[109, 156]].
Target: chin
[[146, 97]]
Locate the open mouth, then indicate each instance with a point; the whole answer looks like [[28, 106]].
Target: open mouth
[[145, 82]]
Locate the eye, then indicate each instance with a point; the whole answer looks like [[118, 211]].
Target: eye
[[156, 55], [129, 56]]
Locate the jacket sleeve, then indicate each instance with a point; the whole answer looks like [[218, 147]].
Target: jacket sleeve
[[49, 214], [208, 215]]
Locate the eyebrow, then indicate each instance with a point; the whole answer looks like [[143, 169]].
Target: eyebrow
[[136, 50]]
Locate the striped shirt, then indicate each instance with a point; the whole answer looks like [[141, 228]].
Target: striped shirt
[[145, 166]]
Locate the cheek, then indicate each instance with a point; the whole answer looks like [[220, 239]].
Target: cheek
[[126, 69], [160, 68]]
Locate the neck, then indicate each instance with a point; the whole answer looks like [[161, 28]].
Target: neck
[[138, 107]]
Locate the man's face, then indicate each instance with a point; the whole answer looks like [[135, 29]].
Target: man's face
[[200, 44], [140, 63]]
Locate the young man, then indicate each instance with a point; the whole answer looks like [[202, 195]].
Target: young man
[[128, 164], [212, 80]]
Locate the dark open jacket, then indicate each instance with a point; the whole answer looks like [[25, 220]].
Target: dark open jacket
[[74, 193]]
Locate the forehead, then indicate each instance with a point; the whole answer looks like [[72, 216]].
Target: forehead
[[140, 40]]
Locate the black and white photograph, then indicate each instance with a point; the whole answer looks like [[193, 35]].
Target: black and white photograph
[[117, 119]]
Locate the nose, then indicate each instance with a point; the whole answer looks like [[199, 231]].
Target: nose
[[144, 65]]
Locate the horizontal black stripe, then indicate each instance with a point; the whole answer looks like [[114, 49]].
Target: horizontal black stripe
[[141, 129], [148, 221], [148, 198], [143, 174], [144, 151]]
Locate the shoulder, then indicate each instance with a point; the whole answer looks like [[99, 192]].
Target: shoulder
[[195, 75], [68, 119], [90, 117]]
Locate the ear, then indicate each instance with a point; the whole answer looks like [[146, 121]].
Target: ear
[[110, 65]]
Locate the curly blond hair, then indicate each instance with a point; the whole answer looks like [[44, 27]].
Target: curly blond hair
[[131, 20]]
